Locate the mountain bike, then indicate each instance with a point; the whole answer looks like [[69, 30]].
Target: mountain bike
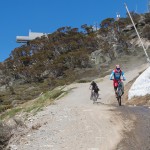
[[94, 91], [119, 92], [94, 96]]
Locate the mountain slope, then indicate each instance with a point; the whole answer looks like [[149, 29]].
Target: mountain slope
[[75, 123], [68, 55]]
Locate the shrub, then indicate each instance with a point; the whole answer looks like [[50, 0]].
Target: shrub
[[5, 134], [4, 108], [146, 31]]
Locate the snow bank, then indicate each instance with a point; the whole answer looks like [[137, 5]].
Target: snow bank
[[141, 86]]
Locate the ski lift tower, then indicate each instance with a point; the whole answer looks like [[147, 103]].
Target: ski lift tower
[[117, 19], [118, 16]]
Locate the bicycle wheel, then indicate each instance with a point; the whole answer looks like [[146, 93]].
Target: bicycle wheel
[[91, 97], [94, 97], [119, 100], [119, 96]]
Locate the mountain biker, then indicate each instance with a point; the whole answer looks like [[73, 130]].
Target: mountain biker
[[94, 87], [116, 77]]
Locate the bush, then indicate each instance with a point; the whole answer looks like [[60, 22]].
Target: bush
[[146, 31], [4, 108], [83, 81], [5, 134]]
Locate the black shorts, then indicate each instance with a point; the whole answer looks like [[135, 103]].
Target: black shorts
[[115, 88], [96, 91]]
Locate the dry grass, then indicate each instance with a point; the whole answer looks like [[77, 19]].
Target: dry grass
[[10, 113], [140, 101], [36, 104]]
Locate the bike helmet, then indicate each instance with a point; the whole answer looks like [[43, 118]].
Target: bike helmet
[[93, 83], [117, 67]]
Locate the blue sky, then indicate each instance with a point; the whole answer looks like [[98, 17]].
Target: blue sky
[[18, 16]]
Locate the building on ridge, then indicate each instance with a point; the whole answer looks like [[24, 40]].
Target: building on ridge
[[32, 36]]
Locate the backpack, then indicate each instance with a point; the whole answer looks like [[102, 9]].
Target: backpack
[[95, 88]]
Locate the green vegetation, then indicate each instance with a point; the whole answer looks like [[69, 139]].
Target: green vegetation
[[83, 81], [10, 113], [35, 105], [64, 57], [44, 100]]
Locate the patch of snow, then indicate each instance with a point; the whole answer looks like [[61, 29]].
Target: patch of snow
[[141, 86]]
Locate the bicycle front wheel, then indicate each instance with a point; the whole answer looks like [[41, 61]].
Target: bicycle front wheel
[[119, 100]]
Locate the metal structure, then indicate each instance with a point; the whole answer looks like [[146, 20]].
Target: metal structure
[[148, 6], [95, 26], [32, 36], [137, 33], [136, 9], [117, 16]]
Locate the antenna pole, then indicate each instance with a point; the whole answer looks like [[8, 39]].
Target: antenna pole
[[137, 33], [148, 6]]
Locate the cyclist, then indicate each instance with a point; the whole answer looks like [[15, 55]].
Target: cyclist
[[94, 87], [116, 77]]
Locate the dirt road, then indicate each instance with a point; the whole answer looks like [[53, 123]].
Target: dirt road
[[74, 123]]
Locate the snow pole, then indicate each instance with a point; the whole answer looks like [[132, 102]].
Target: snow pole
[[137, 33]]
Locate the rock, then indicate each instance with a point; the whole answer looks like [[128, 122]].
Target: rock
[[141, 22], [101, 57], [5, 134], [133, 35], [128, 28], [11, 123], [36, 126], [117, 49], [104, 65], [13, 147], [98, 57], [45, 73], [2, 88], [15, 103], [19, 121], [30, 119]]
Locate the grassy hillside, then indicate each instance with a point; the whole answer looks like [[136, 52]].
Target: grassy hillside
[[65, 56]]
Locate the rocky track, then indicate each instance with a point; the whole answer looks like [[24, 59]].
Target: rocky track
[[75, 123]]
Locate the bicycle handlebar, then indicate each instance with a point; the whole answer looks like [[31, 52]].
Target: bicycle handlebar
[[118, 80]]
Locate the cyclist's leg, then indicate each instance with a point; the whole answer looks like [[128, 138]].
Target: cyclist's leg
[[116, 86], [115, 89], [96, 94], [91, 95]]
